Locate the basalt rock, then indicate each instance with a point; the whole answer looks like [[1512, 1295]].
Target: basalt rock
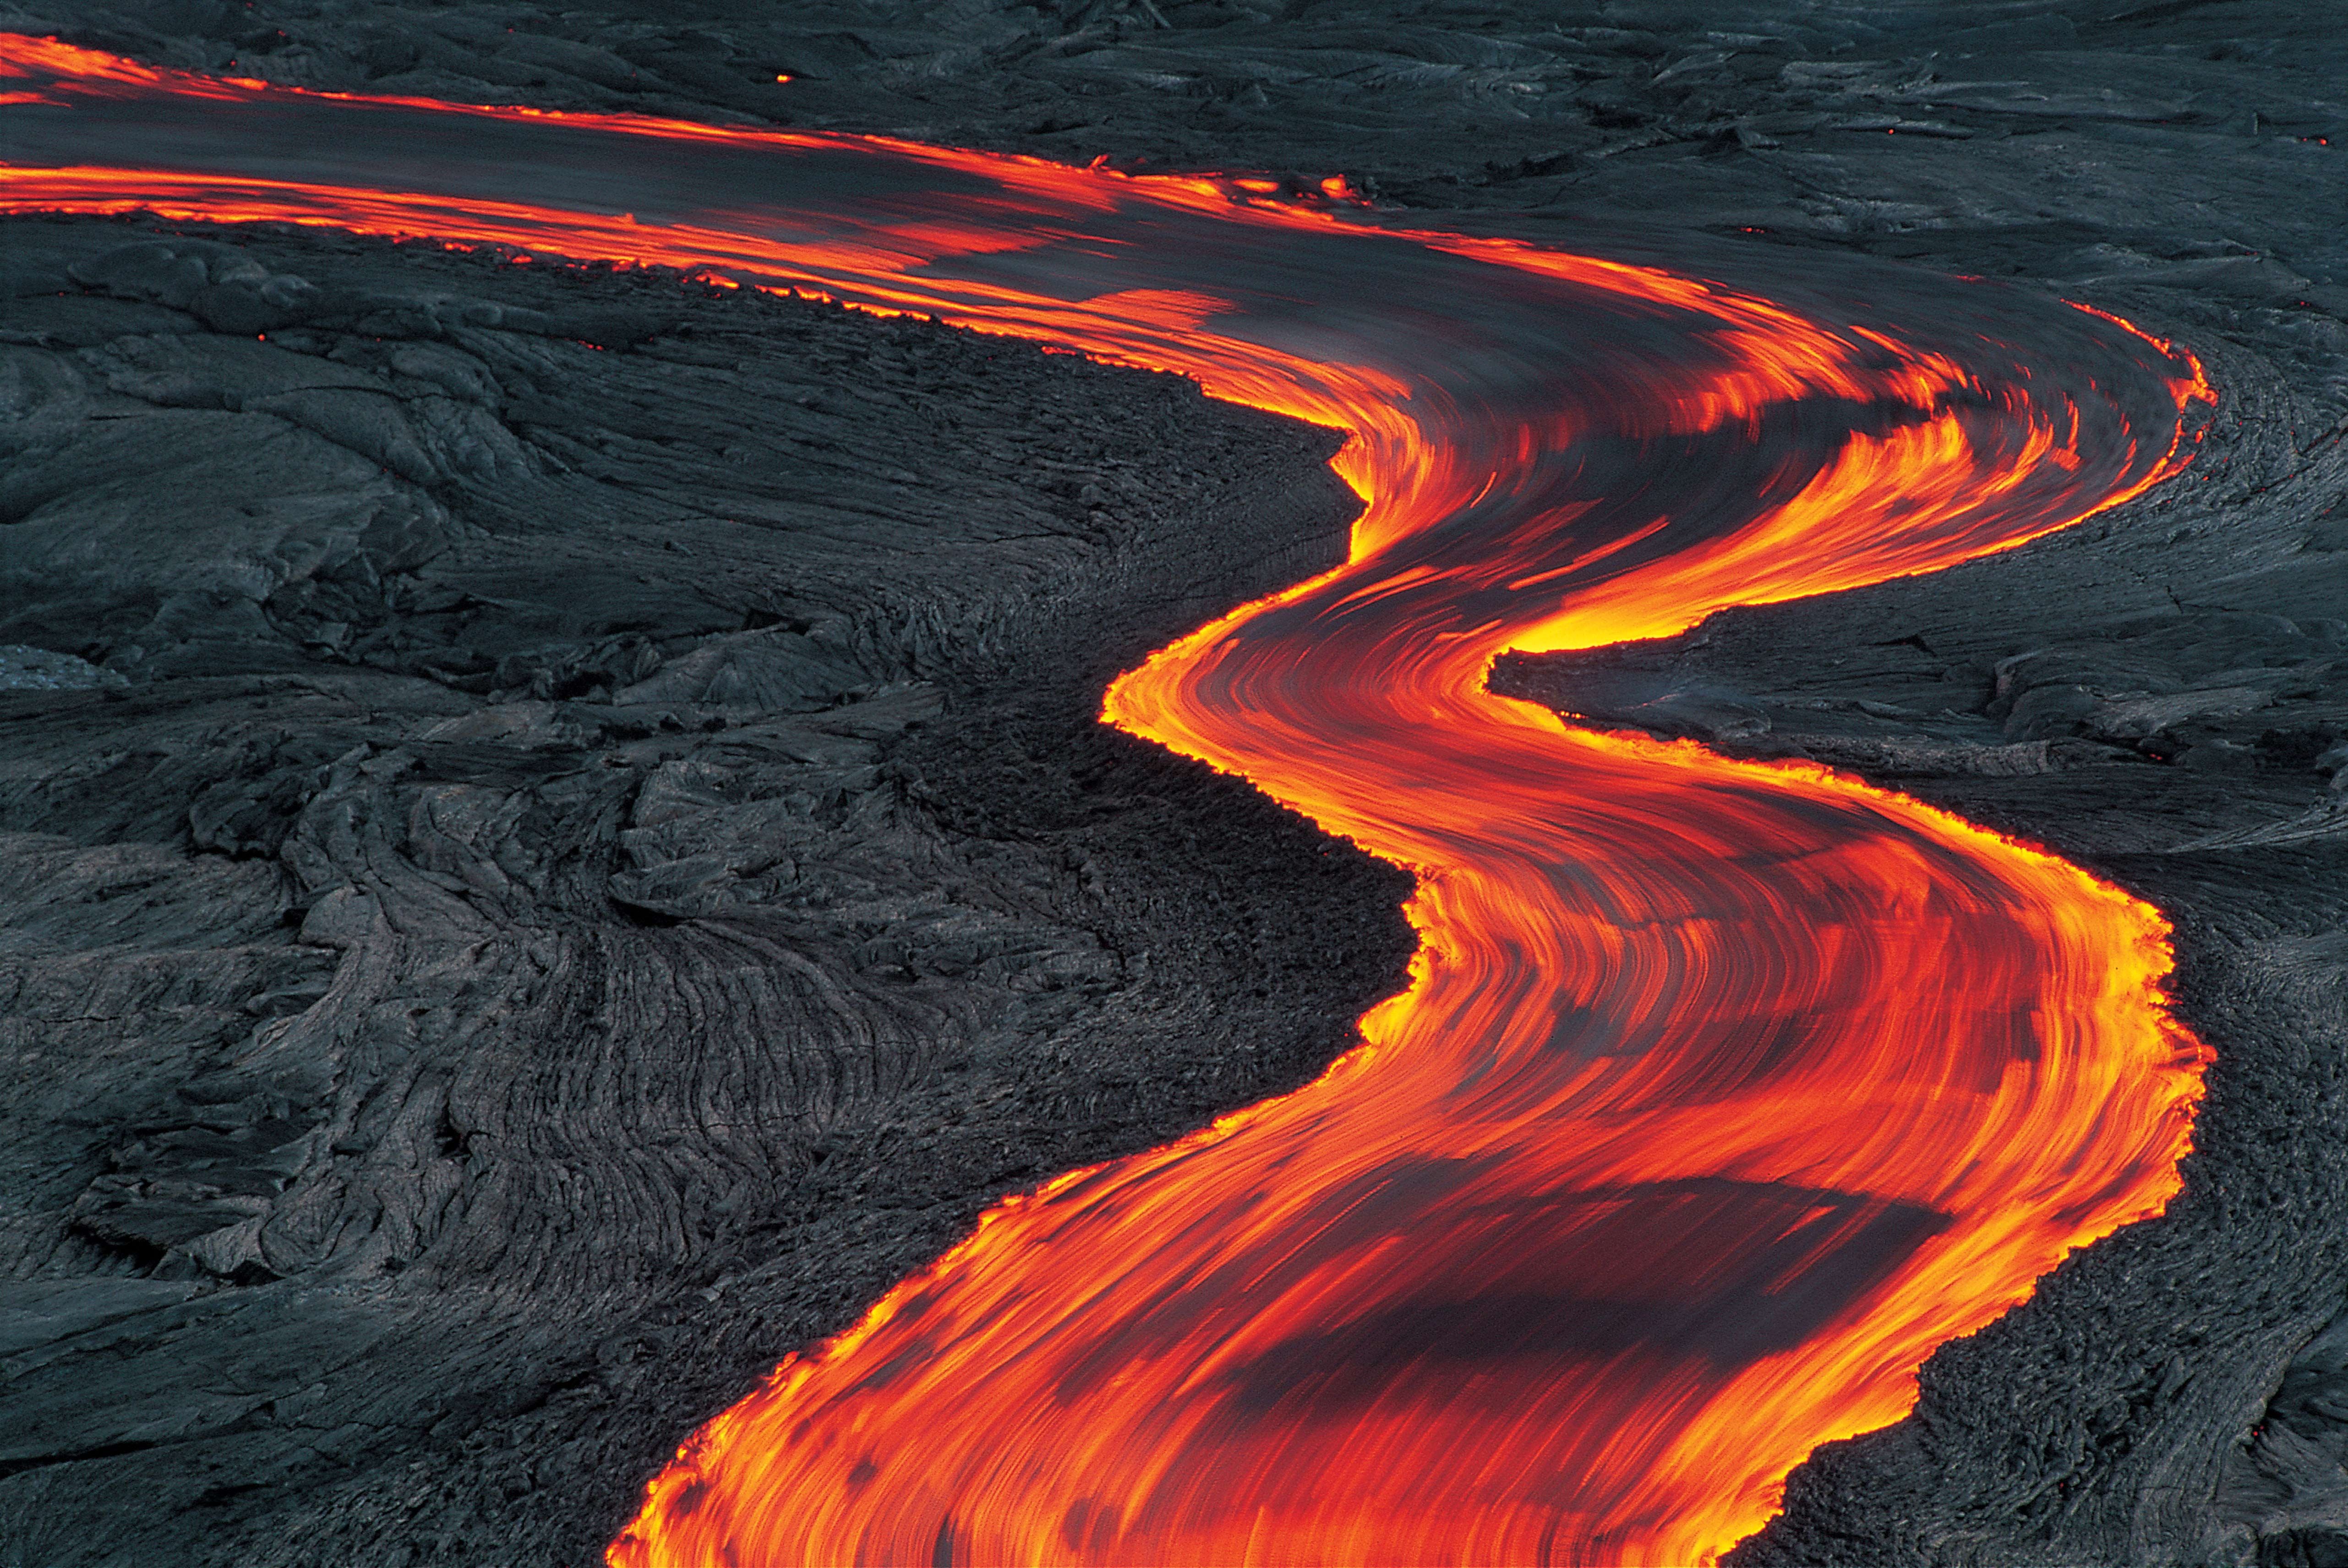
[[541, 874]]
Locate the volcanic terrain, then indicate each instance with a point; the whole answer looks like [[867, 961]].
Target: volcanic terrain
[[556, 842]]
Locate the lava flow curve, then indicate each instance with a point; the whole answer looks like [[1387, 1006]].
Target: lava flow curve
[[1721, 1092]]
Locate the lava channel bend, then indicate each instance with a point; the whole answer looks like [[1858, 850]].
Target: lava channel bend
[[1721, 1092]]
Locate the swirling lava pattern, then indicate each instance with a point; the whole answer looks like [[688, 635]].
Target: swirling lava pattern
[[1721, 1092]]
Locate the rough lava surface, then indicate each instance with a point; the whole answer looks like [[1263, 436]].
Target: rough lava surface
[[555, 845], [548, 862]]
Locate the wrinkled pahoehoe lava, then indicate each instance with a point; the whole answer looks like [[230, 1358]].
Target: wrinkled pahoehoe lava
[[2147, 693], [1721, 1095]]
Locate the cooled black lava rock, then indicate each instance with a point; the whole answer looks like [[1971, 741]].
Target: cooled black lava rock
[[554, 842]]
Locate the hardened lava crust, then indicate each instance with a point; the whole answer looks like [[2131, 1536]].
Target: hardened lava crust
[[682, 706]]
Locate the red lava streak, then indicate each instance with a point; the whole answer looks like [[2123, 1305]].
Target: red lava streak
[[1722, 1093]]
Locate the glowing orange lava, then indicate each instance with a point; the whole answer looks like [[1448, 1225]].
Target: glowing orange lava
[[1722, 1093]]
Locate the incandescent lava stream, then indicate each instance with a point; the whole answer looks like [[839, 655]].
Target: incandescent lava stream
[[1722, 1093]]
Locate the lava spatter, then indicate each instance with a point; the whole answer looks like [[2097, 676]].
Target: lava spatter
[[1721, 1092]]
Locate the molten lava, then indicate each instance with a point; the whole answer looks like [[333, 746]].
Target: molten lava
[[1721, 1092]]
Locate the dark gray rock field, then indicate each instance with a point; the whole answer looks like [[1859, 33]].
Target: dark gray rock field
[[548, 863], [554, 842]]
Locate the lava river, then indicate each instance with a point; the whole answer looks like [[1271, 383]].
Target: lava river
[[1722, 1093]]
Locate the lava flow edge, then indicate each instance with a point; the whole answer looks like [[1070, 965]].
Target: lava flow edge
[[2129, 999]]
